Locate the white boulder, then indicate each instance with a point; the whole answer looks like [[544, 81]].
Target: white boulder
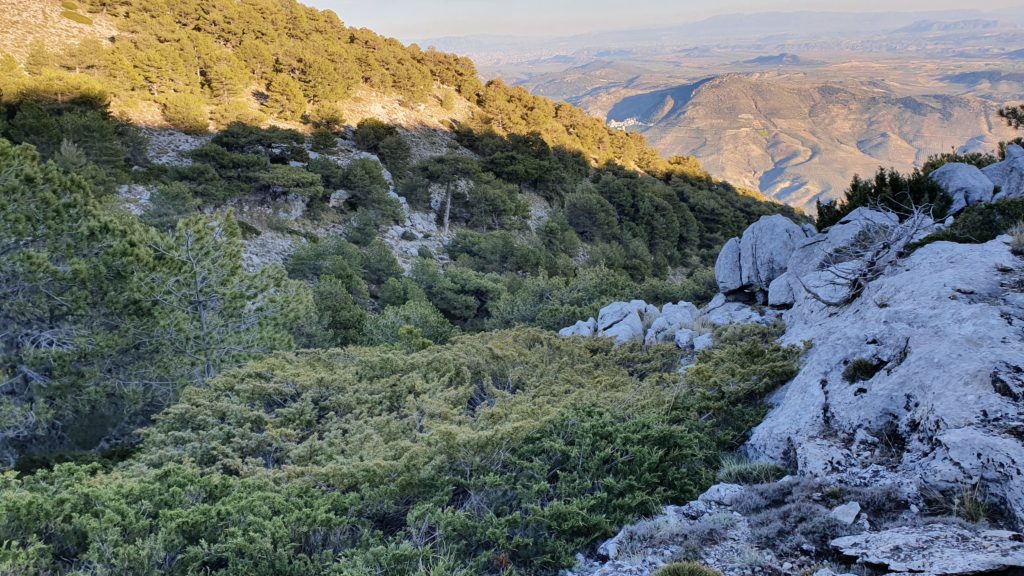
[[728, 273], [629, 328], [965, 183], [703, 342], [582, 328], [944, 327], [1008, 175], [765, 249], [846, 513], [671, 319], [684, 339]]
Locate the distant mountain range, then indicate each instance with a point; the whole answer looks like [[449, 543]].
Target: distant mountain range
[[736, 28], [783, 59], [788, 103]]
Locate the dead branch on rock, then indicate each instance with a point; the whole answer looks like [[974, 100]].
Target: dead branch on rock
[[876, 247]]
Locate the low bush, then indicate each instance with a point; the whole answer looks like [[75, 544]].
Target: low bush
[[738, 470], [861, 369], [980, 223], [1017, 239], [500, 453], [187, 112], [970, 502], [686, 569]]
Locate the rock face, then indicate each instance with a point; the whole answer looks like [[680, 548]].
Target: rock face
[[935, 337], [760, 256], [938, 549], [965, 183], [765, 250], [1008, 175], [728, 272], [915, 383]]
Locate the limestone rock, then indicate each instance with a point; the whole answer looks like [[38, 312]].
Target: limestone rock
[[684, 339], [1008, 175], [944, 356], [616, 312], [629, 328], [671, 319], [727, 267], [582, 328], [846, 513], [780, 291], [939, 549], [765, 249], [735, 313], [965, 183], [338, 198], [680, 313], [721, 494], [703, 342]]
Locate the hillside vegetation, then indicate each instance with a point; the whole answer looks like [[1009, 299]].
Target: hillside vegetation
[[432, 423]]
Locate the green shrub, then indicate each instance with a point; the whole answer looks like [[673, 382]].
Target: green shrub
[[170, 204], [69, 5], [76, 17], [977, 159], [686, 569], [240, 137], [891, 191], [379, 264], [371, 132], [324, 141], [385, 328], [861, 369], [518, 449], [980, 223], [364, 179], [498, 251], [187, 112], [591, 216]]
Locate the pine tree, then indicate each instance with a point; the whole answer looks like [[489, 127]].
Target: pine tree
[[213, 314]]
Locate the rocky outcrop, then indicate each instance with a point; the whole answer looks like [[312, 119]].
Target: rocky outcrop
[[761, 255], [898, 363], [682, 323], [784, 528], [1008, 175], [673, 318], [584, 328], [765, 249], [913, 384], [965, 183], [938, 549]]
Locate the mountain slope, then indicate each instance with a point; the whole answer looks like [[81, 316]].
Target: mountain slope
[[795, 138]]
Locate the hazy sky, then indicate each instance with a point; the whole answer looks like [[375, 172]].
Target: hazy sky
[[412, 19]]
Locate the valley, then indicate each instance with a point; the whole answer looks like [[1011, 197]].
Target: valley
[[797, 105]]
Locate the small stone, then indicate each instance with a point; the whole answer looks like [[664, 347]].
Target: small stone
[[703, 342], [846, 513]]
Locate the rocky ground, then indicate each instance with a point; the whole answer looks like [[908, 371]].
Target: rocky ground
[[282, 225], [903, 428]]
